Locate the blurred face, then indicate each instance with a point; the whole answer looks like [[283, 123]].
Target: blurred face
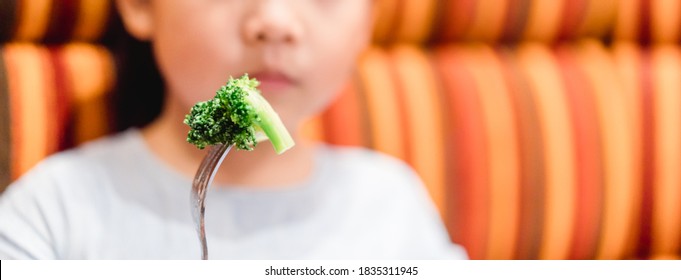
[[302, 51]]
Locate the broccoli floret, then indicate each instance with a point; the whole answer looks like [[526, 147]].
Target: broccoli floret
[[239, 115]]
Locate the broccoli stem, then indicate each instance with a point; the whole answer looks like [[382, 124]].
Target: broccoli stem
[[269, 122]]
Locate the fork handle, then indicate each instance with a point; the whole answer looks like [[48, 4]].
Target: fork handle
[[202, 180]]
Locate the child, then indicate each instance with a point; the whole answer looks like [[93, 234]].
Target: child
[[127, 196]]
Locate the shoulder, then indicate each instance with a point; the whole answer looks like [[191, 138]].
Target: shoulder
[[371, 172], [386, 198], [114, 148], [42, 210], [87, 165], [365, 161]]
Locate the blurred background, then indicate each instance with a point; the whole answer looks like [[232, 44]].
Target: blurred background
[[543, 129]]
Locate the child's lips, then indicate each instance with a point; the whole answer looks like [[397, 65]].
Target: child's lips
[[273, 82]]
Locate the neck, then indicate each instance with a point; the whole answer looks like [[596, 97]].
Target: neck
[[261, 167]]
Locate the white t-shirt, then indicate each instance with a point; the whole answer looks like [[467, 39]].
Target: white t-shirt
[[113, 199]]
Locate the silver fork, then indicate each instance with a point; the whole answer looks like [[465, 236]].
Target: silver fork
[[202, 180]]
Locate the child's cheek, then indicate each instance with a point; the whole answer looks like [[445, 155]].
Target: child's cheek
[[194, 69]]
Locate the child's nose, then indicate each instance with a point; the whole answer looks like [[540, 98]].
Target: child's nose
[[272, 21]]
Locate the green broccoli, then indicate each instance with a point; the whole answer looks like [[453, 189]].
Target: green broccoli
[[238, 115]]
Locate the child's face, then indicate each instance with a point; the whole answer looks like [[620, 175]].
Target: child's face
[[302, 51]]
